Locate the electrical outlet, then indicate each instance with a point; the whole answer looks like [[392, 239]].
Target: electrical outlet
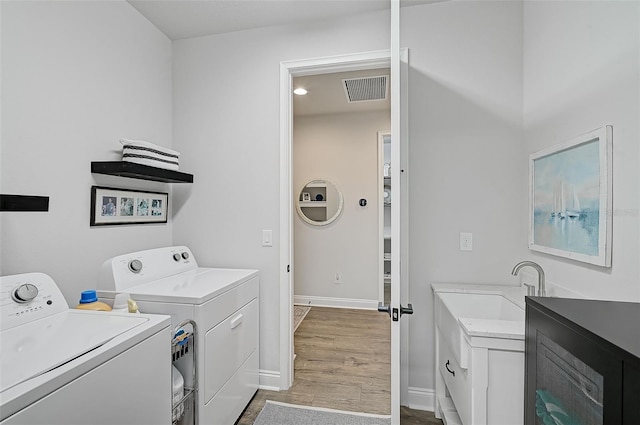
[[337, 278], [466, 241]]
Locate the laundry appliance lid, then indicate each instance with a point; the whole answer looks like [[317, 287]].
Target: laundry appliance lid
[[193, 287], [40, 346]]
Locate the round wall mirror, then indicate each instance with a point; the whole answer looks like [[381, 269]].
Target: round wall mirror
[[319, 202]]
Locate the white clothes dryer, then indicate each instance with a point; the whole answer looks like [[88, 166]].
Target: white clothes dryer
[[224, 305], [67, 366]]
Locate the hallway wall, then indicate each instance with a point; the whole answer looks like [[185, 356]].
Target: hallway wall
[[342, 148]]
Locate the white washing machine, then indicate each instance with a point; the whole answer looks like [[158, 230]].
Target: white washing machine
[[67, 366], [224, 305]]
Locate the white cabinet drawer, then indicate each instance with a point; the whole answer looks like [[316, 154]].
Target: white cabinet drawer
[[457, 381], [228, 345]]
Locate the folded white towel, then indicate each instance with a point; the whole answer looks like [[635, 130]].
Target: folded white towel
[[148, 145], [146, 153]]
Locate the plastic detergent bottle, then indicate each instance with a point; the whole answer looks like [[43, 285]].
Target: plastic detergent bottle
[[89, 301], [178, 393], [123, 303], [120, 302]]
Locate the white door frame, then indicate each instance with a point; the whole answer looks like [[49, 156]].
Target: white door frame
[[352, 62], [381, 215], [288, 70]]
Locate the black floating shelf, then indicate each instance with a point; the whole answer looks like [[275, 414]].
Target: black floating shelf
[[24, 203], [139, 171]]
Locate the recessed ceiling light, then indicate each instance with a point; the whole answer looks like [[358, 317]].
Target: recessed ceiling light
[[300, 91]]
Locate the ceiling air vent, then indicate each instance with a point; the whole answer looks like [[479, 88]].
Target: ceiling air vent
[[366, 88]]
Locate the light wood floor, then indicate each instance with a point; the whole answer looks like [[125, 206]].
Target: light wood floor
[[342, 362]]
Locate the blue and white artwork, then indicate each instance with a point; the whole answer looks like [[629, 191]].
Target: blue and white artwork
[[567, 199], [570, 198]]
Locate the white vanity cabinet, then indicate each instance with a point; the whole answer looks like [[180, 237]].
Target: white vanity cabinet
[[479, 366]]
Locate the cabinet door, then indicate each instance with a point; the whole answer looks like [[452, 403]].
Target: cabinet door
[[569, 375], [631, 396]]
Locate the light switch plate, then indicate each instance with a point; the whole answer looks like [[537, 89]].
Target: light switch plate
[[267, 238], [466, 241]]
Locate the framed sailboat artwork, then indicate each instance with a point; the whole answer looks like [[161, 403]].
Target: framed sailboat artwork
[[570, 200]]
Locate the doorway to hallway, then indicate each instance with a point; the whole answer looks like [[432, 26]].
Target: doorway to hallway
[[290, 70], [337, 191]]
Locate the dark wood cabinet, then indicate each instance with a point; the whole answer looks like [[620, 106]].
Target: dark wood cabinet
[[582, 362]]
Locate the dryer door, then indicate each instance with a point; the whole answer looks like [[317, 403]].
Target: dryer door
[[228, 346]]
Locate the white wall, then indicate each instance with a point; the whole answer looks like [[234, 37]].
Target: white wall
[[342, 148], [76, 77], [465, 151], [226, 123], [582, 71], [491, 82]]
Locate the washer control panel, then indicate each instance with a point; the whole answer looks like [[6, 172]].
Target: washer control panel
[[126, 271], [27, 297]]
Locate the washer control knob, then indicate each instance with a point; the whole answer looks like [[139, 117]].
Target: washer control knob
[[135, 266], [25, 293], [185, 255], [176, 256]]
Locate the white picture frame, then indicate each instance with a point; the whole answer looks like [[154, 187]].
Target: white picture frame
[[570, 198]]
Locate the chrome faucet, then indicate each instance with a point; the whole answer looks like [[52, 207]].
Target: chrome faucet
[[541, 289]]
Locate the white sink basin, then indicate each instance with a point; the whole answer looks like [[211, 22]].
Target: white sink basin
[[482, 306], [461, 316]]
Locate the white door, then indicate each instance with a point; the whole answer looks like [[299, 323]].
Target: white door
[[399, 218]]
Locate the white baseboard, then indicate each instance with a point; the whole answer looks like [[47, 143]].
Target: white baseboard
[[269, 380], [335, 302], [421, 399]]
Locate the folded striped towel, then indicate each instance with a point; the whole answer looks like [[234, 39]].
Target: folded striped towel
[[146, 153]]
